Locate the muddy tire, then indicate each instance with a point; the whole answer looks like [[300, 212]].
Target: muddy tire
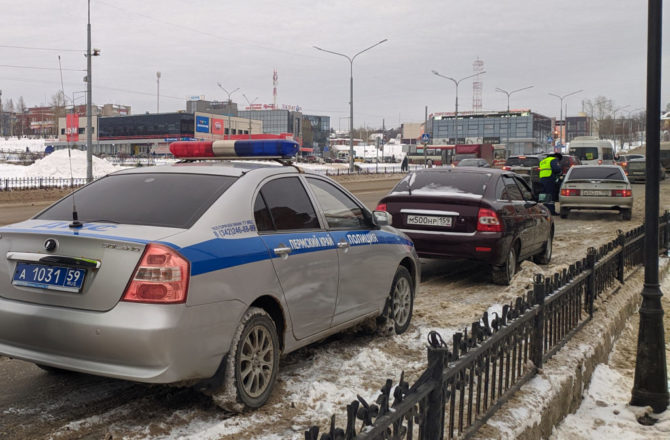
[[503, 274], [252, 363], [544, 257], [627, 214], [565, 212], [399, 304]]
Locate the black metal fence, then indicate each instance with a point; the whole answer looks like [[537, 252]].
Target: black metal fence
[[465, 383], [22, 183]]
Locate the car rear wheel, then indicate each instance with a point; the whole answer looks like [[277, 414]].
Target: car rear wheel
[[401, 300], [565, 212], [503, 274], [545, 256], [253, 362], [627, 214]]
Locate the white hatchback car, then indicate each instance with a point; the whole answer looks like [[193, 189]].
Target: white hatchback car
[[599, 187]]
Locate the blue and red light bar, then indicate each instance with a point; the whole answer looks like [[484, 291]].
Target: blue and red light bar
[[235, 148]]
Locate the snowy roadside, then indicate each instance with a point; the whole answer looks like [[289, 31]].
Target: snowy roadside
[[587, 369]]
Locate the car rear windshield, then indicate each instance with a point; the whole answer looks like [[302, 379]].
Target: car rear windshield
[[156, 199], [637, 165], [596, 173], [444, 182], [585, 153], [522, 161]]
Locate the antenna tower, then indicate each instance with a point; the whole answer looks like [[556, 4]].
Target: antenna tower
[[477, 67], [274, 89]]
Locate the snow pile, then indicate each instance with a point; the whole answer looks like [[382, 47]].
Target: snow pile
[[57, 164], [20, 144]]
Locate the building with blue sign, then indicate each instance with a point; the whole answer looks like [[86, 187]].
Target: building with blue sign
[[522, 131]]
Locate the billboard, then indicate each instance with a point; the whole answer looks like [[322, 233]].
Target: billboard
[[202, 124], [217, 126], [72, 127]]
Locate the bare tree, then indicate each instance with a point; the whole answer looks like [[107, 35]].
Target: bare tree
[[600, 111], [21, 119]]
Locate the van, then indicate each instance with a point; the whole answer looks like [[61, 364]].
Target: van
[[592, 151]]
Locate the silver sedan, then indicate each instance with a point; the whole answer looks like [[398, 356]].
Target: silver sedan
[[596, 187], [199, 273]]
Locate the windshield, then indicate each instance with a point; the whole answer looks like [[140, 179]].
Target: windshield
[[596, 173], [156, 199], [585, 153], [445, 182]]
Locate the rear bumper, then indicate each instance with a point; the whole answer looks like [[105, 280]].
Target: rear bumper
[[487, 247], [140, 342], [596, 202]]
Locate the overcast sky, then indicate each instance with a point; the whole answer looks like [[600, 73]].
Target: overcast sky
[[598, 46]]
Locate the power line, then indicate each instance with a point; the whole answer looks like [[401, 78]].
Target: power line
[[40, 68], [40, 48]]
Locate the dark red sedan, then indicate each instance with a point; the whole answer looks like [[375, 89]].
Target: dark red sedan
[[480, 214]]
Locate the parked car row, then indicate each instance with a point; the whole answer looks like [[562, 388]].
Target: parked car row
[[205, 272]]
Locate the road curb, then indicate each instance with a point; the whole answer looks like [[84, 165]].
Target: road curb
[[558, 388]]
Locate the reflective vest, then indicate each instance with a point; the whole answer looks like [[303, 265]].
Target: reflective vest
[[545, 167]]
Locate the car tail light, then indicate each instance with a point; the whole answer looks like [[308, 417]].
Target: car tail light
[[162, 276], [507, 168], [488, 221], [623, 164], [569, 192], [381, 207], [622, 193]]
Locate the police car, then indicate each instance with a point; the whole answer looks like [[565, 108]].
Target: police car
[[202, 272]]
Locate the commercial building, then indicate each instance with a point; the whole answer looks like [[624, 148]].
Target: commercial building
[[150, 133], [522, 131]]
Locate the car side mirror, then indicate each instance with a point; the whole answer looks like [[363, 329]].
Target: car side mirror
[[381, 218]]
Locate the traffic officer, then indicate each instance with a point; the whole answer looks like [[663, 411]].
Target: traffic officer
[[550, 170]]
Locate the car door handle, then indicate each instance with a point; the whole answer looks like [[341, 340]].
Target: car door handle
[[282, 250], [342, 244]]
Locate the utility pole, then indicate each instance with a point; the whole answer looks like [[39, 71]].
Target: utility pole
[[89, 93]]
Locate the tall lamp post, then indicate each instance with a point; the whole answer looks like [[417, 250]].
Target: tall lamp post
[[565, 123], [498, 89], [351, 96], [249, 104], [651, 376], [230, 131], [89, 96], [456, 82], [158, 91]]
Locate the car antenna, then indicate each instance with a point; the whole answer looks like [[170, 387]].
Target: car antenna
[[75, 218]]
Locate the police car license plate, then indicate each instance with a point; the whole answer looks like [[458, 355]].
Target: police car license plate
[[41, 276], [429, 220], [594, 192]]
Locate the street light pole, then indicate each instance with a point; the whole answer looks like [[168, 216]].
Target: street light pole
[[158, 89], [565, 123], [650, 387], [351, 96], [230, 131], [498, 89], [89, 88], [456, 82], [249, 104]]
